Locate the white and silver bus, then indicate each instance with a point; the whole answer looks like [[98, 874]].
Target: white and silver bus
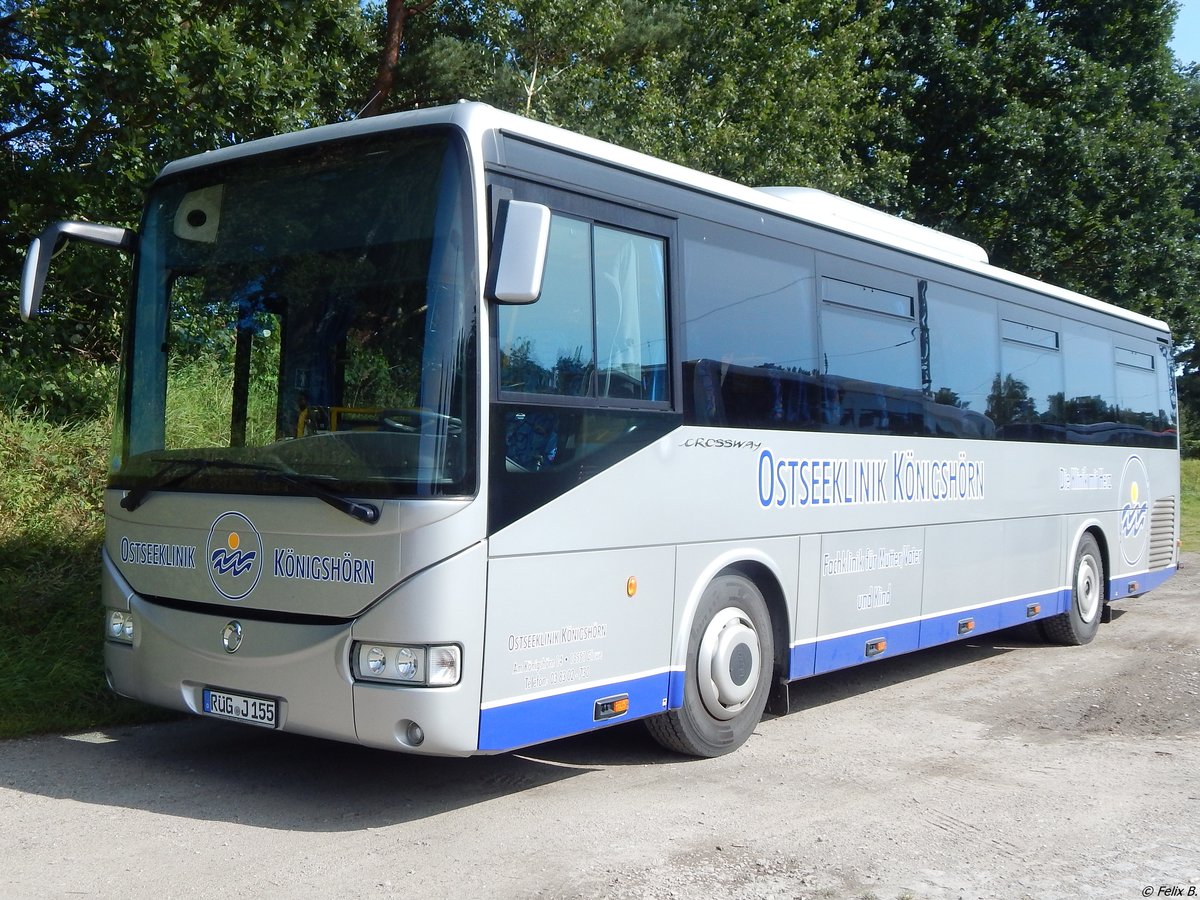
[[452, 432]]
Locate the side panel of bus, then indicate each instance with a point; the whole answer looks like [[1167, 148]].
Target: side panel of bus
[[891, 564]]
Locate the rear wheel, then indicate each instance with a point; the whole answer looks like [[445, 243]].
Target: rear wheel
[[1078, 625], [729, 666]]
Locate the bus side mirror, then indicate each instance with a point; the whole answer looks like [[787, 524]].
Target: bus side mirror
[[519, 252], [43, 247]]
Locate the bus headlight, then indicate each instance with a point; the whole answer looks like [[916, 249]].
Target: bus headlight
[[436, 666], [376, 661], [119, 626], [408, 664]]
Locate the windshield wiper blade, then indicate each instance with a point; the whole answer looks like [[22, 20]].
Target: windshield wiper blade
[[158, 481], [364, 512]]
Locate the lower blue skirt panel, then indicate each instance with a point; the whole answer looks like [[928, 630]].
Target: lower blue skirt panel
[[843, 651], [526, 722], [1137, 584], [943, 629], [851, 649]]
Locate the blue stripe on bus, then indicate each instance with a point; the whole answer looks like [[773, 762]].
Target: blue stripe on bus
[[675, 692], [851, 649], [525, 722], [545, 718], [831, 654], [802, 662], [945, 628], [1145, 581]]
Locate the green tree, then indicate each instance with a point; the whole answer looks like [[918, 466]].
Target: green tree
[[770, 92], [396, 14], [1010, 402], [96, 97], [1185, 138], [1050, 133], [762, 91], [539, 58]]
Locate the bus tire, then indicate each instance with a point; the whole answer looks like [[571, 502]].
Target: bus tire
[[1078, 625], [730, 661]]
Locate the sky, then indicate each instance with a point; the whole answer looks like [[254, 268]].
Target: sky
[[1187, 32]]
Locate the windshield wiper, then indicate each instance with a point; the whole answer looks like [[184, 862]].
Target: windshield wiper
[[158, 481], [165, 479]]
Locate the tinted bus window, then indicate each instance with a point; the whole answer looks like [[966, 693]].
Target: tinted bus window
[[964, 358]]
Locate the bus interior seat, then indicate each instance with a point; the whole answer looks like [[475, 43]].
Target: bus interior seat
[[531, 440]]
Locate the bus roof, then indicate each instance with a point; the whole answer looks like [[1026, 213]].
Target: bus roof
[[481, 122]]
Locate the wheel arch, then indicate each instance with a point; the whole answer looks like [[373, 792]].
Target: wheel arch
[[1094, 528], [766, 575], [768, 583]]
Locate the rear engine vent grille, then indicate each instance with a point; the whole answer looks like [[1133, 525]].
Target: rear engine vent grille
[[1162, 533]]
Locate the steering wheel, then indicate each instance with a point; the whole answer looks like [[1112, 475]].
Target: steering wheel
[[394, 420]]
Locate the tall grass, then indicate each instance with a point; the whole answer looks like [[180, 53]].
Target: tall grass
[[1189, 490], [51, 524], [199, 408]]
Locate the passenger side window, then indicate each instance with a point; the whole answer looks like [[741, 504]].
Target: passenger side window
[[869, 334], [1089, 386], [964, 359], [749, 301], [1140, 402], [749, 330], [871, 358], [599, 328], [1027, 399]]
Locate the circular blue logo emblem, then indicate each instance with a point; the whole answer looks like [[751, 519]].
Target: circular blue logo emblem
[[1135, 510], [234, 555]]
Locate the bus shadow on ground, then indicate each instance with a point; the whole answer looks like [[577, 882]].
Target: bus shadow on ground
[[210, 770]]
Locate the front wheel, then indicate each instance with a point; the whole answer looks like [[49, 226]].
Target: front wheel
[[1078, 625], [729, 666]]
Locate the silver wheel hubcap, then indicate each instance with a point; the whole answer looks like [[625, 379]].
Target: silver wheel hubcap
[[1087, 588], [728, 663]]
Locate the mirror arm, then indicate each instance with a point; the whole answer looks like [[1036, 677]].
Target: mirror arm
[[43, 247]]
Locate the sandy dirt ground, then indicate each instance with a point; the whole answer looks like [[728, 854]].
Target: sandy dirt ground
[[997, 768]]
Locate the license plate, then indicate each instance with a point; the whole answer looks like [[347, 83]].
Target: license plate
[[255, 710]]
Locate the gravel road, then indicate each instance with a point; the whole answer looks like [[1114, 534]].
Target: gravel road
[[998, 768]]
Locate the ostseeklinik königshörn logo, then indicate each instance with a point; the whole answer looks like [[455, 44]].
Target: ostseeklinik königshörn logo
[[234, 554], [1135, 510]]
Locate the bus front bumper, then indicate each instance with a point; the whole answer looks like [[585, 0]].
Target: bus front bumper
[[298, 676]]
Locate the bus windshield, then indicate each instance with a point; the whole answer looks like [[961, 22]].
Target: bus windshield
[[309, 312]]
